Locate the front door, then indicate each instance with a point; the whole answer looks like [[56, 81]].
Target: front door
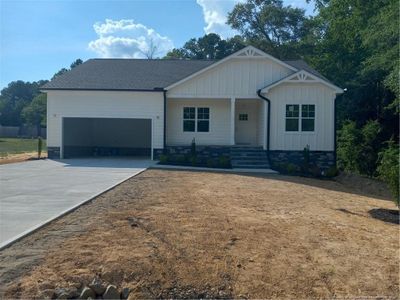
[[246, 124]]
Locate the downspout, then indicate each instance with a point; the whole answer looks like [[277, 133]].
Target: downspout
[[334, 134], [268, 120], [165, 122]]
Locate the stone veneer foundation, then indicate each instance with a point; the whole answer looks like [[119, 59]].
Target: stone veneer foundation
[[323, 159]]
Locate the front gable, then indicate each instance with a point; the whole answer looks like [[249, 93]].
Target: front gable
[[240, 75], [303, 77]]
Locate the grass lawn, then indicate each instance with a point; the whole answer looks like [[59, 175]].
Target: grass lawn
[[9, 146], [179, 234]]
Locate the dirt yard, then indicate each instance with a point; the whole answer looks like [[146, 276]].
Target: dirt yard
[[174, 234]]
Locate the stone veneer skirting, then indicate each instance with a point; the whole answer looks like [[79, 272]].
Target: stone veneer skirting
[[201, 151], [323, 159], [53, 152]]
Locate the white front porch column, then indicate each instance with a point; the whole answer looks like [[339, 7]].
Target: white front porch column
[[233, 103]]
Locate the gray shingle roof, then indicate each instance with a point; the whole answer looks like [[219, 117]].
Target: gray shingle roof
[[126, 74], [302, 65], [136, 74]]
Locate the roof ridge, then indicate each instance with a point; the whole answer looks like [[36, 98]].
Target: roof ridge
[[154, 59]]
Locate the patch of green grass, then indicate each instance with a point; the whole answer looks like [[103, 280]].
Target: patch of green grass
[[17, 145]]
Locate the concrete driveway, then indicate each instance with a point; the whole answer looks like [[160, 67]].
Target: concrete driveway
[[31, 193]]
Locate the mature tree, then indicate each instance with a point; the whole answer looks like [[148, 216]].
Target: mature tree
[[151, 50], [271, 26], [19, 94], [35, 113], [358, 49], [210, 46], [14, 98], [76, 63]]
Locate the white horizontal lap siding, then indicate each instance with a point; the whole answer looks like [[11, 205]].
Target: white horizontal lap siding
[[219, 133], [322, 139], [104, 104], [239, 77]]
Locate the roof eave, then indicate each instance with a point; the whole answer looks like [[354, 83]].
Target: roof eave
[[98, 89]]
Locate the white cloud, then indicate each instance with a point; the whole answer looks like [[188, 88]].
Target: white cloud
[[215, 13], [127, 39]]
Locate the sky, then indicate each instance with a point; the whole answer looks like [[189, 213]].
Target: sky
[[39, 37]]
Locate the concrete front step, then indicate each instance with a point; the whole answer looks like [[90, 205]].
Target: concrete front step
[[247, 150], [252, 166], [249, 157], [249, 162]]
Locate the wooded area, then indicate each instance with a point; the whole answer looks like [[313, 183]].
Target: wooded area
[[354, 43]]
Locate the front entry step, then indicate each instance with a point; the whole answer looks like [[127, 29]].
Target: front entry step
[[249, 158]]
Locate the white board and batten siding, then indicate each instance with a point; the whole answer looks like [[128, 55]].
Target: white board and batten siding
[[219, 130], [237, 77], [104, 104], [322, 139]]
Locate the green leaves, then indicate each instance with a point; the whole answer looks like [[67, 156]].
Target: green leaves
[[210, 46], [270, 25]]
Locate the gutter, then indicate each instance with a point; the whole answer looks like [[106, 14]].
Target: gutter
[[165, 121], [268, 116]]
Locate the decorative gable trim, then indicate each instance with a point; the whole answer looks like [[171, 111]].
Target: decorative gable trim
[[302, 76], [245, 53]]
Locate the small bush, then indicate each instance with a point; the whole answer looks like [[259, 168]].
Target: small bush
[[163, 158], [388, 168], [349, 146], [210, 163], [180, 159], [40, 146], [291, 168], [331, 172], [224, 162], [306, 158], [194, 161], [193, 148]]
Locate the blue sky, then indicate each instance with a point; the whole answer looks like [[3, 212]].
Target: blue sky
[[37, 38]]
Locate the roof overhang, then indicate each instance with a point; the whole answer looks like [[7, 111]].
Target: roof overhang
[[302, 76], [248, 52]]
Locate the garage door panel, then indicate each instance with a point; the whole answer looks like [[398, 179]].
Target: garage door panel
[[106, 137]]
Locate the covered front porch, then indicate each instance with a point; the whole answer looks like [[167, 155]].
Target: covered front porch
[[248, 122], [219, 122]]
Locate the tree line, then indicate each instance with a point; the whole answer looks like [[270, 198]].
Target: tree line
[[353, 43]]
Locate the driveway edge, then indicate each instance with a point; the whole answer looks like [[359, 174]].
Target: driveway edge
[[9, 242]]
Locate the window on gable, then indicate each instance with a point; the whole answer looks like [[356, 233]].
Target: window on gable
[[196, 119], [292, 117], [300, 118]]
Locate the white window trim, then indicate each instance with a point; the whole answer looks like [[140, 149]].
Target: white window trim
[[196, 119], [300, 118]]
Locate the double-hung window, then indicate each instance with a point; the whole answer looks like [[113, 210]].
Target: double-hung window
[[300, 117], [292, 117], [307, 117], [189, 119], [196, 119]]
